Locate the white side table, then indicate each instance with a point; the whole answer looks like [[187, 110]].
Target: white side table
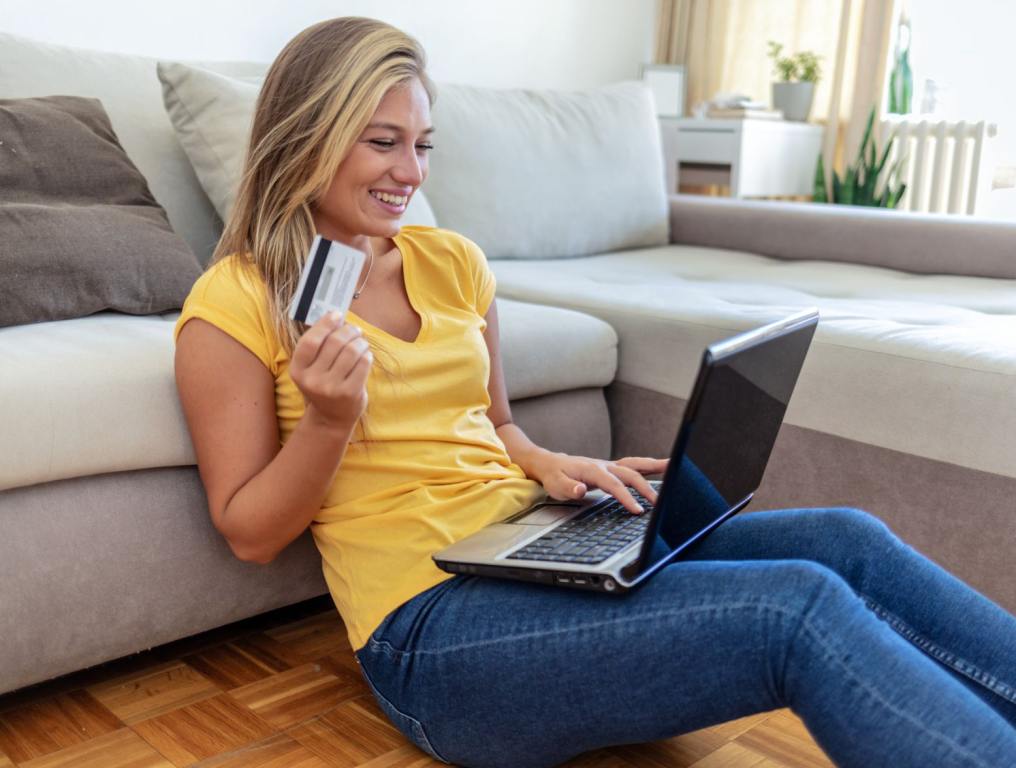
[[755, 157]]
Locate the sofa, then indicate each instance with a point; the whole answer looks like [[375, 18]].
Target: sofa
[[608, 290]]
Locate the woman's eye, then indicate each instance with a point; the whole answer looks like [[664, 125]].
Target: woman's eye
[[389, 143]]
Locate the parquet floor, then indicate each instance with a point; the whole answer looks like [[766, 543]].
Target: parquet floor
[[283, 691]]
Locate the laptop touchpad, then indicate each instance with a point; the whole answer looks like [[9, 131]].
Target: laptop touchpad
[[544, 514]]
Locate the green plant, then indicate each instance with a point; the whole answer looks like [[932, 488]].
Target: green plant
[[803, 66], [811, 70], [819, 195], [859, 184]]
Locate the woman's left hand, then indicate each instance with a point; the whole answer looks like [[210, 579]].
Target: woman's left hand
[[570, 477]]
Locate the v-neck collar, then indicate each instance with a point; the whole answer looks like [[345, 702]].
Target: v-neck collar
[[409, 281]]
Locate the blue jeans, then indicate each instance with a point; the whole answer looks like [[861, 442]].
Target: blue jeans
[[888, 659]]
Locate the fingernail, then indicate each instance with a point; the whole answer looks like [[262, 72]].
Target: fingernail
[[334, 316]]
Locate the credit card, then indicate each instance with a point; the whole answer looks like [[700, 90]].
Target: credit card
[[327, 282]]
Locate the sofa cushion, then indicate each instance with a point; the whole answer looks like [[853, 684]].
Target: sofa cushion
[[130, 92], [923, 364], [80, 229], [110, 404], [212, 115], [548, 349], [928, 243], [533, 174]]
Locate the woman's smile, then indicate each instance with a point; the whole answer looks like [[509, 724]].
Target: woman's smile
[[393, 203]]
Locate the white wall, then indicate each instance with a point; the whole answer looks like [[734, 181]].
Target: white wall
[[970, 54], [500, 43]]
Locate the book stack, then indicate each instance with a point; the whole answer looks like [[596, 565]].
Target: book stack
[[741, 113]]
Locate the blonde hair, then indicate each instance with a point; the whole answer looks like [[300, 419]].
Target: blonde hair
[[318, 97]]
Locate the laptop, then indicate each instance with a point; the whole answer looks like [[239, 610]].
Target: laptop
[[727, 433]]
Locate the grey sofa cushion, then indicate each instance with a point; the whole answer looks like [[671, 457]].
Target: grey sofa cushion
[[928, 243], [79, 228], [549, 349], [537, 174], [211, 115]]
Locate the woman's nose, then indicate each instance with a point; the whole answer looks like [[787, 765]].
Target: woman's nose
[[408, 169]]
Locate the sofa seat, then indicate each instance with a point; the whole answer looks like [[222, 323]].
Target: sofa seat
[[920, 364], [81, 420]]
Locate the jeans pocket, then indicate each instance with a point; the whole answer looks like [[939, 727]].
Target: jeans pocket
[[410, 727]]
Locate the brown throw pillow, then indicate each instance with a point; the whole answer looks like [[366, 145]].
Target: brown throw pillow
[[79, 229]]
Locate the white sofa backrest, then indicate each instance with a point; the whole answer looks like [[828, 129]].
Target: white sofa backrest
[[543, 174], [527, 174], [132, 95]]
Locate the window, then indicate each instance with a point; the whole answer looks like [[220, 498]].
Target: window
[[967, 53]]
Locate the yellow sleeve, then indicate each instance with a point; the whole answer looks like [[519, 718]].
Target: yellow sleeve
[[228, 297], [484, 282]]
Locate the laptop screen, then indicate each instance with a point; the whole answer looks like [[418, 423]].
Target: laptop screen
[[730, 425]]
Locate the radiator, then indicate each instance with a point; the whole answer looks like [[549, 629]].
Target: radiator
[[946, 165]]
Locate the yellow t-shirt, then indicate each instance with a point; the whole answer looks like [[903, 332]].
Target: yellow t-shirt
[[432, 470]]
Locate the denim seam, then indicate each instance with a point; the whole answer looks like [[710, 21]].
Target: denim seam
[[965, 668], [833, 654], [418, 726]]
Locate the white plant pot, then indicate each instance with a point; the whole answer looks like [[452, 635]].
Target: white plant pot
[[794, 99]]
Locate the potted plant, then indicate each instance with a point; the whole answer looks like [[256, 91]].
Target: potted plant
[[798, 73], [860, 184]]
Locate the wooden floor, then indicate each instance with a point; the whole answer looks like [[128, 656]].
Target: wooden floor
[[283, 691]]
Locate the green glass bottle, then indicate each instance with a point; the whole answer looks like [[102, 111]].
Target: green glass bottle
[[901, 81]]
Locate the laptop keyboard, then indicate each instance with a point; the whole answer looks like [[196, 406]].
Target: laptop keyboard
[[592, 537]]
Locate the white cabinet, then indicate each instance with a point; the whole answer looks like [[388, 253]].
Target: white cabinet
[[754, 157]]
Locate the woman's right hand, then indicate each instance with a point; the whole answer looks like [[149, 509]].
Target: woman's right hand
[[330, 366]]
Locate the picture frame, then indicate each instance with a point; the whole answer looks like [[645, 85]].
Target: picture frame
[[667, 82]]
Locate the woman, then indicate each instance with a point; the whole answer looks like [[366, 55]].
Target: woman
[[888, 659]]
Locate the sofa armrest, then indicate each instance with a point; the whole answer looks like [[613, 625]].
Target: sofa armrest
[[914, 242]]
